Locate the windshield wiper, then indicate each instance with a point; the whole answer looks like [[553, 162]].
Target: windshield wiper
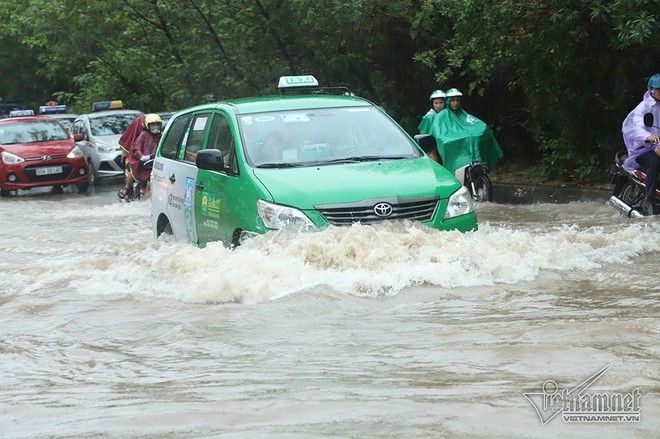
[[279, 165], [365, 158]]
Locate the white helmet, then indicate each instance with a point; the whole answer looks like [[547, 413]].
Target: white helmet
[[437, 94], [453, 92]]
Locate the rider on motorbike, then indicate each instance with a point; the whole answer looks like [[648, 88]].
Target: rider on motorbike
[[437, 100], [144, 148], [126, 143], [643, 141]]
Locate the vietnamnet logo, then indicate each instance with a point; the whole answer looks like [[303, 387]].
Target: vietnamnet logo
[[577, 405]]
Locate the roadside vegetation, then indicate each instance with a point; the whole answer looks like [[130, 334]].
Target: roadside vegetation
[[553, 78]]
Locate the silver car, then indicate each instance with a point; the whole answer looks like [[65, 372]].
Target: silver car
[[101, 131]]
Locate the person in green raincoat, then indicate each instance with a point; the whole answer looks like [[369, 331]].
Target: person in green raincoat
[[437, 100], [462, 138]]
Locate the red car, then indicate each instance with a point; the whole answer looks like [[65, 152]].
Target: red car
[[37, 151]]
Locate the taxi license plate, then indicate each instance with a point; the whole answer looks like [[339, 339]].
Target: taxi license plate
[[50, 170]]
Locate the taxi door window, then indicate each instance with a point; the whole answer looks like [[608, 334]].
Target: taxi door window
[[174, 137], [221, 137], [196, 136]]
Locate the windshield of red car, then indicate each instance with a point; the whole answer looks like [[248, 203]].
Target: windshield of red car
[[31, 132]]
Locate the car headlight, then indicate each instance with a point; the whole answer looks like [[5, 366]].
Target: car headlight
[[460, 203], [104, 147], [280, 217], [75, 153], [11, 159]]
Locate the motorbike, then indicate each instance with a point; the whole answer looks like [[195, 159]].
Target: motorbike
[[140, 189], [475, 177], [630, 184]]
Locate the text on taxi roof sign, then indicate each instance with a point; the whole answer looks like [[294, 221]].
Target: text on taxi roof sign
[[52, 109], [19, 113], [107, 105], [297, 81]]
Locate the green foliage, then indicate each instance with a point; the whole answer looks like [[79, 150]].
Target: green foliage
[[554, 78]]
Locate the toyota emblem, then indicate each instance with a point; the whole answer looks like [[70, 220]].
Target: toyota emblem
[[383, 209]]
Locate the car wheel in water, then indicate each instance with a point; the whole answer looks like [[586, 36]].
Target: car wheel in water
[[163, 227], [82, 187], [92, 173], [236, 238]]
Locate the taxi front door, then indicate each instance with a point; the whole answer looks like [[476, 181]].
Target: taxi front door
[[220, 199]]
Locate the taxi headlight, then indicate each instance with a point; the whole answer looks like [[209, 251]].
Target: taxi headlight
[[11, 159], [280, 217], [460, 203], [104, 147], [75, 153]]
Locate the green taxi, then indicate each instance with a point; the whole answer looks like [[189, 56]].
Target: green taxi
[[306, 159]]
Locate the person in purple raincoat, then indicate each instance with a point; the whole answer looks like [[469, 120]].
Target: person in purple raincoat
[[643, 142]]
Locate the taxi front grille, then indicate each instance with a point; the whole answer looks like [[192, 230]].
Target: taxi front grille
[[365, 212], [30, 172]]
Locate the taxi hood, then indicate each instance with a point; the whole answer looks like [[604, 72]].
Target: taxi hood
[[306, 187]]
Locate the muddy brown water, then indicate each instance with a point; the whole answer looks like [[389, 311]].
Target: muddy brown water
[[363, 332]]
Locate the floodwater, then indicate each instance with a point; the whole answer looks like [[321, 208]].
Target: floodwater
[[388, 332]]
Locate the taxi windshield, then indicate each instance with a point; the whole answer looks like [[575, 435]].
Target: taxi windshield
[[323, 136], [31, 132], [110, 125], [66, 121]]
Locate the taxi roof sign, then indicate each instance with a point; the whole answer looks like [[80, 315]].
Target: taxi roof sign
[[107, 105], [52, 109], [297, 82], [19, 113]]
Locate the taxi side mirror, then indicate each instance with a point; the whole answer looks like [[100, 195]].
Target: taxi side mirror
[[426, 142], [210, 159], [77, 137]]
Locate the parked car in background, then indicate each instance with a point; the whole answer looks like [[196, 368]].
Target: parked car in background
[[37, 151], [7, 107], [100, 131], [59, 112]]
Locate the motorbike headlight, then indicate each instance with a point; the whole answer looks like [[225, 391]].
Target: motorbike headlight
[[11, 159], [75, 153], [460, 203], [280, 217], [104, 147]]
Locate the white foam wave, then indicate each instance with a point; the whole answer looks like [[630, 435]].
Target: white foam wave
[[376, 261]]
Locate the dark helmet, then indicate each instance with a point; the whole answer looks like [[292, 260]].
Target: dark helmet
[[211, 98]]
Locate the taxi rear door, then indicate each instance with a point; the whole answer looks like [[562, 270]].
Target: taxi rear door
[[182, 176]]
